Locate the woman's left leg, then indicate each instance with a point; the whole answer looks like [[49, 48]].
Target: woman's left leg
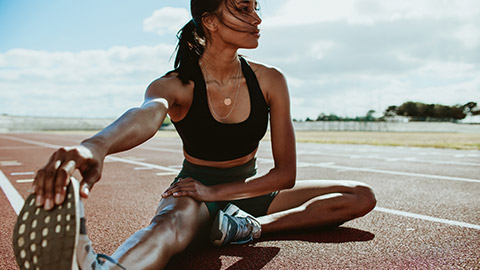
[[316, 203]]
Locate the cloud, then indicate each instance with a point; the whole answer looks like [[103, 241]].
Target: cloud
[[88, 83], [349, 56], [301, 12], [469, 34], [344, 57], [166, 20], [116, 63]]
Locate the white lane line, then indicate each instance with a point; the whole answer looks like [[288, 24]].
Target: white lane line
[[134, 158], [17, 201], [303, 165], [322, 165], [22, 173], [48, 145], [389, 159], [431, 176], [329, 165], [428, 218], [109, 158], [166, 173], [143, 164], [12, 194], [18, 147], [21, 181], [161, 149], [7, 163], [141, 168]]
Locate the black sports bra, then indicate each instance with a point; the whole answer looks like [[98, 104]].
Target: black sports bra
[[207, 139]]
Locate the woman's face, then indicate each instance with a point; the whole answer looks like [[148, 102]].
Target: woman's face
[[238, 22]]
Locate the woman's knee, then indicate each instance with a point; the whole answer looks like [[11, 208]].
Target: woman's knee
[[365, 199], [182, 220]]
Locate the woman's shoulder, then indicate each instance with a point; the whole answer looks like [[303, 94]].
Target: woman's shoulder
[[265, 72], [170, 79], [270, 78], [168, 85]]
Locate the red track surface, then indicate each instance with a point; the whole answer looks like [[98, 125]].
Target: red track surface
[[441, 186]]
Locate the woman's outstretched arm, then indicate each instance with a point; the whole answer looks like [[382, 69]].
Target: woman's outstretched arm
[[133, 128]]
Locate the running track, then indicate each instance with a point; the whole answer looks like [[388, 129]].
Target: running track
[[427, 216]]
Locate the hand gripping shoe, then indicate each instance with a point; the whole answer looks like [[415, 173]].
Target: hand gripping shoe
[[46, 240]]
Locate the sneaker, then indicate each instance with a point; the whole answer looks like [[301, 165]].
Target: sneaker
[[48, 239], [234, 226], [45, 240]]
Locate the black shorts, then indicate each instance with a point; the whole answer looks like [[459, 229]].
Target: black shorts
[[210, 176]]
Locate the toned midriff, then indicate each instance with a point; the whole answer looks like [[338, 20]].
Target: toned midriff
[[221, 164]]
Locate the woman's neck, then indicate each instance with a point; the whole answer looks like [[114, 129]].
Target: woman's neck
[[221, 64]]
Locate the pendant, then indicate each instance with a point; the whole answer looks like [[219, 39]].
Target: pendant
[[227, 101]]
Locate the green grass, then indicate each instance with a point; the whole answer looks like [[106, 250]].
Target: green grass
[[465, 141]]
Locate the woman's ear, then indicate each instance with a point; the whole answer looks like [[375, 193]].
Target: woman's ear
[[210, 22]]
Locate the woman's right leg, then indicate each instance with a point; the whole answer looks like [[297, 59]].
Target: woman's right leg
[[178, 221]]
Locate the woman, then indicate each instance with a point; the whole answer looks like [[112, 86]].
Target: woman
[[220, 104]]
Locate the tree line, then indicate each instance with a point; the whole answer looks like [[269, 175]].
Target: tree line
[[415, 111], [418, 111]]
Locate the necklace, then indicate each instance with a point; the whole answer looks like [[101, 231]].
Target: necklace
[[226, 98], [227, 101]]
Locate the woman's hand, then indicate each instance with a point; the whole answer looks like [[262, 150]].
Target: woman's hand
[[51, 180], [191, 188]]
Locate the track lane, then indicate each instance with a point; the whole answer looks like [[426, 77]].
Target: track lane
[[379, 240]]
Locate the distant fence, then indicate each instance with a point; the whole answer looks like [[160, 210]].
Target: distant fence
[[387, 126], [23, 123]]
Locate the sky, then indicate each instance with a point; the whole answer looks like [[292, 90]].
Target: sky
[[345, 57]]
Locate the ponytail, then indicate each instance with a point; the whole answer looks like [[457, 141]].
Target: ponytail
[[189, 49]]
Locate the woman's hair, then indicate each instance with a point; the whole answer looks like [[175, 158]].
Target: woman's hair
[[192, 37]]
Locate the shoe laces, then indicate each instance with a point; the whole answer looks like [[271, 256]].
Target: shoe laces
[[106, 258], [247, 229], [244, 228]]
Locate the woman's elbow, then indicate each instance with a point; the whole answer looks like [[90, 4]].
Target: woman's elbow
[[290, 178]]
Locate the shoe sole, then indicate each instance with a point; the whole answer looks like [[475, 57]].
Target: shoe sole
[[48, 239]]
